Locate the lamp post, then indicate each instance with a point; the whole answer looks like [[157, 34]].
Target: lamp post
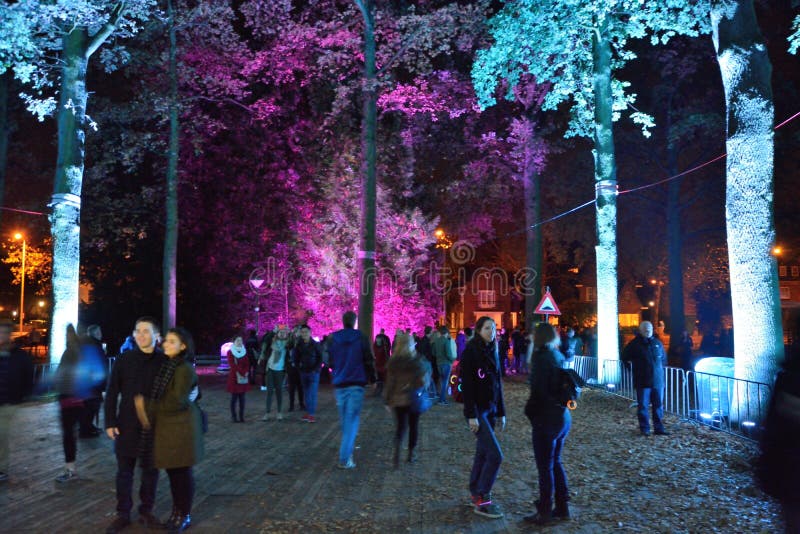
[[444, 243], [17, 237]]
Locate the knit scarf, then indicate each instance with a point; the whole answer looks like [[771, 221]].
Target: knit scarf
[[238, 352], [162, 380]]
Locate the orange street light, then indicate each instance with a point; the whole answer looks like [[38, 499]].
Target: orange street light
[[777, 251]]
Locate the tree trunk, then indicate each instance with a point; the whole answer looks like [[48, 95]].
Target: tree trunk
[[66, 203], [531, 182], [169, 295], [366, 254], [605, 175], [746, 72], [5, 130], [677, 319]]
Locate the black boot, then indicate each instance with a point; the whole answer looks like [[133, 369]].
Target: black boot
[[561, 511], [172, 517], [412, 456], [396, 457], [179, 524], [543, 515]]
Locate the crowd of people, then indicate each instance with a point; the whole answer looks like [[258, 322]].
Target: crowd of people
[[154, 419]]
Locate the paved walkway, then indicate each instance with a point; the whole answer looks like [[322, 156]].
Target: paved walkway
[[282, 476]]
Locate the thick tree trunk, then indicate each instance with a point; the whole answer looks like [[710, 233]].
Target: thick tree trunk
[[531, 182], [366, 254], [66, 203], [605, 175], [677, 319], [169, 295], [5, 130], [746, 77]]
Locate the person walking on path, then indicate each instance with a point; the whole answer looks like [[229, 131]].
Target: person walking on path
[[238, 379], [444, 356], [382, 350], [133, 373], [550, 423], [482, 391], [81, 371], [93, 347], [293, 379], [16, 384], [406, 372], [646, 354], [307, 355], [276, 371], [173, 422], [353, 368]]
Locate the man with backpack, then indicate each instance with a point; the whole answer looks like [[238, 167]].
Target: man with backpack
[[307, 358]]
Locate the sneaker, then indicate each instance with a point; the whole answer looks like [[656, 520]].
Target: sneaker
[[480, 500], [266, 417], [3, 476], [119, 523], [489, 510], [349, 464], [280, 416], [66, 476], [304, 418], [311, 419]]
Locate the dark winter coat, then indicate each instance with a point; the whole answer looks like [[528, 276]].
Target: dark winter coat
[[481, 379], [16, 376], [241, 366], [177, 424], [351, 358], [543, 406], [307, 357], [648, 359], [133, 374], [405, 373]]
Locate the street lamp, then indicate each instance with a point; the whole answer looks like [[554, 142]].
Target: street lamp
[[17, 237], [444, 243]]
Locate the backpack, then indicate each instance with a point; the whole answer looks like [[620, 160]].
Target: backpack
[[570, 384], [454, 383]]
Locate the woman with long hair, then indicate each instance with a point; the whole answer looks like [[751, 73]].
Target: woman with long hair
[[174, 424], [405, 372], [276, 370], [482, 391], [550, 423], [238, 381]]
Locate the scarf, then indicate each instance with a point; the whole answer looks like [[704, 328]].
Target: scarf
[[278, 352], [162, 380], [238, 352]]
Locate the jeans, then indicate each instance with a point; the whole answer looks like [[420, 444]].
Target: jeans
[[147, 488], [548, 441], [181, 485], [237, 398], [275, 386], [488, 457], [444, 373], [645, 396], [310, 383], [349, 401], [405, 417]]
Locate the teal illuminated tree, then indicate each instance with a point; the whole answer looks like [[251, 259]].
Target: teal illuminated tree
[[576, 46]]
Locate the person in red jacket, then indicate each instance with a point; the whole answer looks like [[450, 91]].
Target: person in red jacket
[[238, 381]]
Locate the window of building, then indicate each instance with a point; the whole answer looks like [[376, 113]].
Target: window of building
[[795, 271], [590, 294], [487, 298], [782, 271], [629, 319], [786, 294]]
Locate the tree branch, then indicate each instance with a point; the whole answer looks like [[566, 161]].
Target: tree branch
[[400, 51], [218, 100], [106, 31]]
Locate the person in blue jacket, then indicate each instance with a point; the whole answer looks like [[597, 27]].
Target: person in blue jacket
[[353, 368]]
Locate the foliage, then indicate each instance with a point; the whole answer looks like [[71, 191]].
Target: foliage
[[38, 264]]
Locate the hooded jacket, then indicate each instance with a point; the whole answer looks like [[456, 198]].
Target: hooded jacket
[[351, 358]]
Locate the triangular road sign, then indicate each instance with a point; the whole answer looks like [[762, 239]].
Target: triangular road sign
[[547, 306]]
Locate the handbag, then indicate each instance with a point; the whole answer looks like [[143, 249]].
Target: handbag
[[241, 379], [419, 401]]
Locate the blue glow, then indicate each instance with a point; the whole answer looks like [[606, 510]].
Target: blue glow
[[749, 424]]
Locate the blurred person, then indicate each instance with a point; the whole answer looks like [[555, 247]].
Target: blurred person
[[173, 422], [353, 368], [238, 383], [128, 344], [646, 354], [93, 341], [444, 356], [482, 390], [461, 343], [571, 346], [680, 351], [406, 372], [134, 373], [293, 372], [263, 356], [252, 346], [382, 350], [16, 384], [550, 424], [81, 370], [307, 355]]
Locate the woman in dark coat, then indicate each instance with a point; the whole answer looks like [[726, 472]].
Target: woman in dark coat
[[482, 390], [550, 422], [405, 372], [175, 423], [238, 382]]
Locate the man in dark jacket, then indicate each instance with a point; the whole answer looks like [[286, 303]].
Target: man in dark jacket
[[646, 354], [482, 389], [307, 358], [353, 367], [16, 383], [133, 374]]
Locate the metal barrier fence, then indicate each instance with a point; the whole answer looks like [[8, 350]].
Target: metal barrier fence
[[585, 366], [42, 377], [728, 404]]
